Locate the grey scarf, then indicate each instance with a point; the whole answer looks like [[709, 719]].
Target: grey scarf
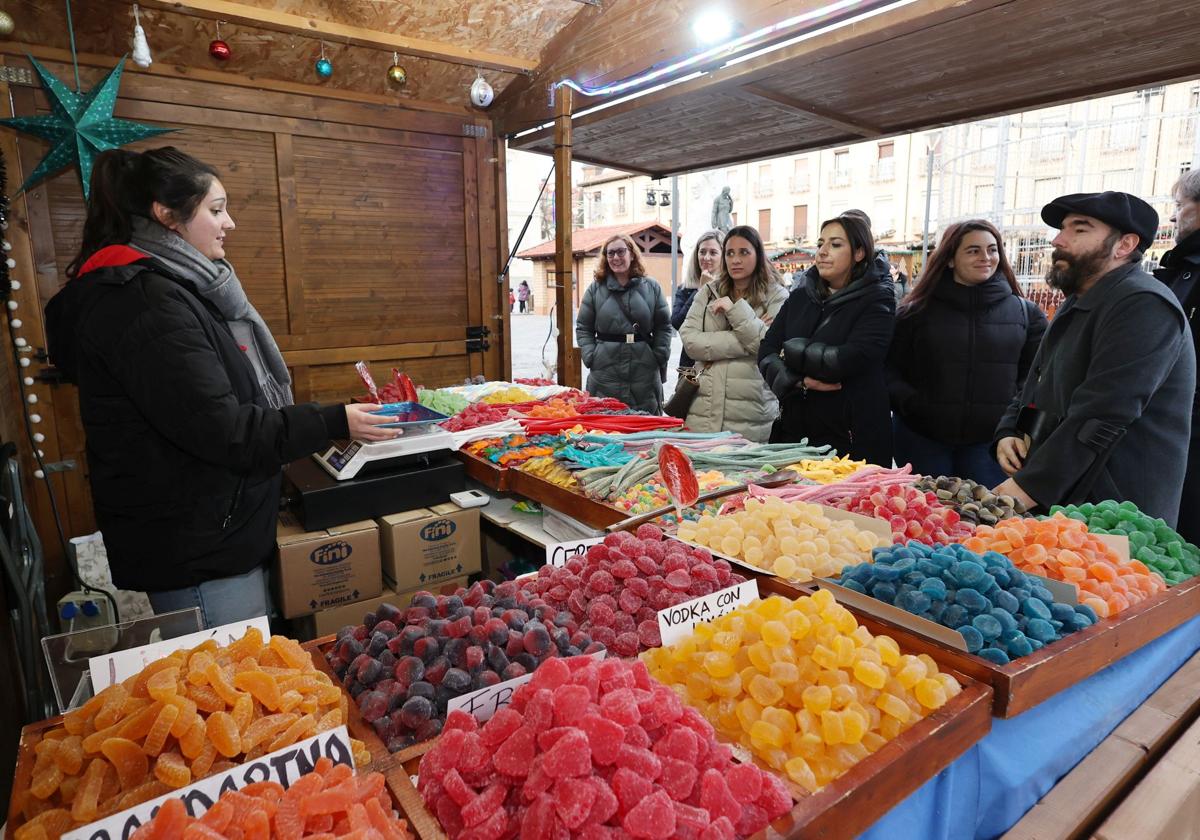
[[217, 282]]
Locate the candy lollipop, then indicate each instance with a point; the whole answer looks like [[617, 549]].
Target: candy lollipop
[[679, 477], [364, 373]]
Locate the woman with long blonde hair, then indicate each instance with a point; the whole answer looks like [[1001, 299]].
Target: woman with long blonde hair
[[704, 267], [728, 318], [623, 329]]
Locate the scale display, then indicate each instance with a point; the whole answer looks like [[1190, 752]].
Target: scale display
[[420, 434]]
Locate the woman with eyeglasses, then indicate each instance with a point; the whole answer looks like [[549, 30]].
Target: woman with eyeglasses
[[623, 329], [724, 326], [825, 352]]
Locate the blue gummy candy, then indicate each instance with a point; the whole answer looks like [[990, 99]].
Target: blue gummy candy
[[943, 560], [955, 616], [936, 610], [1035, 644], [928, 567], [914, 578], [883, 557], [1035, 608], [1076, 622], [913, 601], [972, 637], [1061, 612], [1000, 576], [935, 588], [884, 591], [853, 585], [862, 572], [1008, 624], [987, 625], [972, 600], [968, 574], [886, 573], [1041, 630], [904, 564], [1019, 646], [1006, 601], [1085, 610], [1043, 594], [995, 655]]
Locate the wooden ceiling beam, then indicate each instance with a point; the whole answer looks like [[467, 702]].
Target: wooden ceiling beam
[[269, 19], [814, 112]]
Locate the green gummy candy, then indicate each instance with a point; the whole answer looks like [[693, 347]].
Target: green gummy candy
[[1175, 549]]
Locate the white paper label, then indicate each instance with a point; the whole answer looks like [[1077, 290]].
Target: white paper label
[[676, 622], [487, 701], [120, 665], [557, 554], [283, 766]]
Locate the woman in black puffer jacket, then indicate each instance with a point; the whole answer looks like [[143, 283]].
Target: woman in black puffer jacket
[[965, 338], [823, 356]]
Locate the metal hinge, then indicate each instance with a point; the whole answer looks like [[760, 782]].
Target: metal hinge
[[60, 466], [477, 339], [16, 75], [479, 131]]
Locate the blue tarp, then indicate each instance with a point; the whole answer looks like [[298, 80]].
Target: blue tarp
[[990, 787]]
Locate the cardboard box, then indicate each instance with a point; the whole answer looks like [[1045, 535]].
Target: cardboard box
[[325, 622], [448, 587], [426, 546], [315, 570]]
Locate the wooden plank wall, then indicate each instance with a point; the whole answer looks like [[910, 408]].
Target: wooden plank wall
[[362, 233]]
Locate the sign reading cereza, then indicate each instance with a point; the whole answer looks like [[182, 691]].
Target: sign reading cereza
[[283, 766], [557, 554]]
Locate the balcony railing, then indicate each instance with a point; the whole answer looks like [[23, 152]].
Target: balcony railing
[[799, 184], [883, 170], [840, 178], [764, 189]]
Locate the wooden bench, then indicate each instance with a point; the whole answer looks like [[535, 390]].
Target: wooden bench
[[1095, 798]]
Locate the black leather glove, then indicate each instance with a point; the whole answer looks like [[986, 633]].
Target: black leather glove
[[794, 350], [821, 362]]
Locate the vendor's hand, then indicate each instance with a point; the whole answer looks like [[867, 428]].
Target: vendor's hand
[[1011, 452], [721, 304], [365, 426], [1009, 487], [817, 385]]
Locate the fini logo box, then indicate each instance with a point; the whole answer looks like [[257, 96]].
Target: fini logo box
[[316, 570], [425, 547]]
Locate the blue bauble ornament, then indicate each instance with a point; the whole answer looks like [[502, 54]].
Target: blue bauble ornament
[[324, 68]]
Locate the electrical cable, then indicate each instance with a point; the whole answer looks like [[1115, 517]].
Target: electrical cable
[[513, 251], [6, 290]]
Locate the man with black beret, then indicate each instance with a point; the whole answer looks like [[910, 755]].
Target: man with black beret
[[1105, 412]]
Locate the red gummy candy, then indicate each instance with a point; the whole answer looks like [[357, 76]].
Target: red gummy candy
[[689, 817], [678, 778], [753, 820], [631, 789], [570, 756], [515, 754], [716, 798], [539, 713], [573, 801], [745, 782], [721, 829], [570, 702], [551, 674], [604, 736], [620, 706], [653, 817], [505, 722], [456, 788], [649, 532], [641, 761], [540, 821], [679, 580], [484, 806], [679, 743], [775, 798]]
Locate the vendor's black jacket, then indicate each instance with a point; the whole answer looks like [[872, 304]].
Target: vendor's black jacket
[[1180, 270], [184, 454], [955, 365], [840, 338], [680, 304], [1114, 378]]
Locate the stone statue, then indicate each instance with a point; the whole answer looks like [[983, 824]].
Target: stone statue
[[722, 211]]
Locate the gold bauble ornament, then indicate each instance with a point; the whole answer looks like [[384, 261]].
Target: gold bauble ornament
[[7, 24], [397, 74]]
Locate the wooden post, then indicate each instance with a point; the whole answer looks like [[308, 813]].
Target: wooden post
[[569, 372]]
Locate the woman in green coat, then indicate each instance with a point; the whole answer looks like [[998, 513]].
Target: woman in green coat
[[624, 329], [727, 320]]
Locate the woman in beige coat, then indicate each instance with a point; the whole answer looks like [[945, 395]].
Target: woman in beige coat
[[724, 325]]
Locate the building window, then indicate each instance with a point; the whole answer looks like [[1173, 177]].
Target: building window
[[1118, 180], [884, 168], [1051, 139], [1046, 190], [1123, 131], [799, 182], [622, 209], [840, 177], [984, 196], [763, 186], [883, 216], [800, 222], [764, 225]]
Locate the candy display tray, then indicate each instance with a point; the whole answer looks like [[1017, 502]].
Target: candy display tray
[[1024, 683], [843, 808], [23, 775]]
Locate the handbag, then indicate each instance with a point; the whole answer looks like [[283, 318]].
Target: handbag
[[687, 386]]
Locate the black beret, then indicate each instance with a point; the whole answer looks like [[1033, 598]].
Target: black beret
[[1127, 213]]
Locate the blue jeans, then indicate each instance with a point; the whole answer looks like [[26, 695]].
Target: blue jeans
[[220, 601], [929, 457]]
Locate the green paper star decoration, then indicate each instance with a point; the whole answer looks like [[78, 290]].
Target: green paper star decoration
[[79, 127]]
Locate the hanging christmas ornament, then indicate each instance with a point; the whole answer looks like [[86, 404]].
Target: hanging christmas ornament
[[324, 66], [397, 74], [141, 49], [481, 91], [218, 49], [7, 24], [79, 126]]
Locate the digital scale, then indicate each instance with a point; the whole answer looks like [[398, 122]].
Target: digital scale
[[360, 480], [419, 435]]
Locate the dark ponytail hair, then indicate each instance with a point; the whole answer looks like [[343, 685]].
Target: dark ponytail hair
[[859, 236], [127, 184]]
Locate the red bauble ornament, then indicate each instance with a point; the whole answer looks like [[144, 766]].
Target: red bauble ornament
[[219, 50]]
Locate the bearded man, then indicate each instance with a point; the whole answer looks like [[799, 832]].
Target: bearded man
[[1105, 412]]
